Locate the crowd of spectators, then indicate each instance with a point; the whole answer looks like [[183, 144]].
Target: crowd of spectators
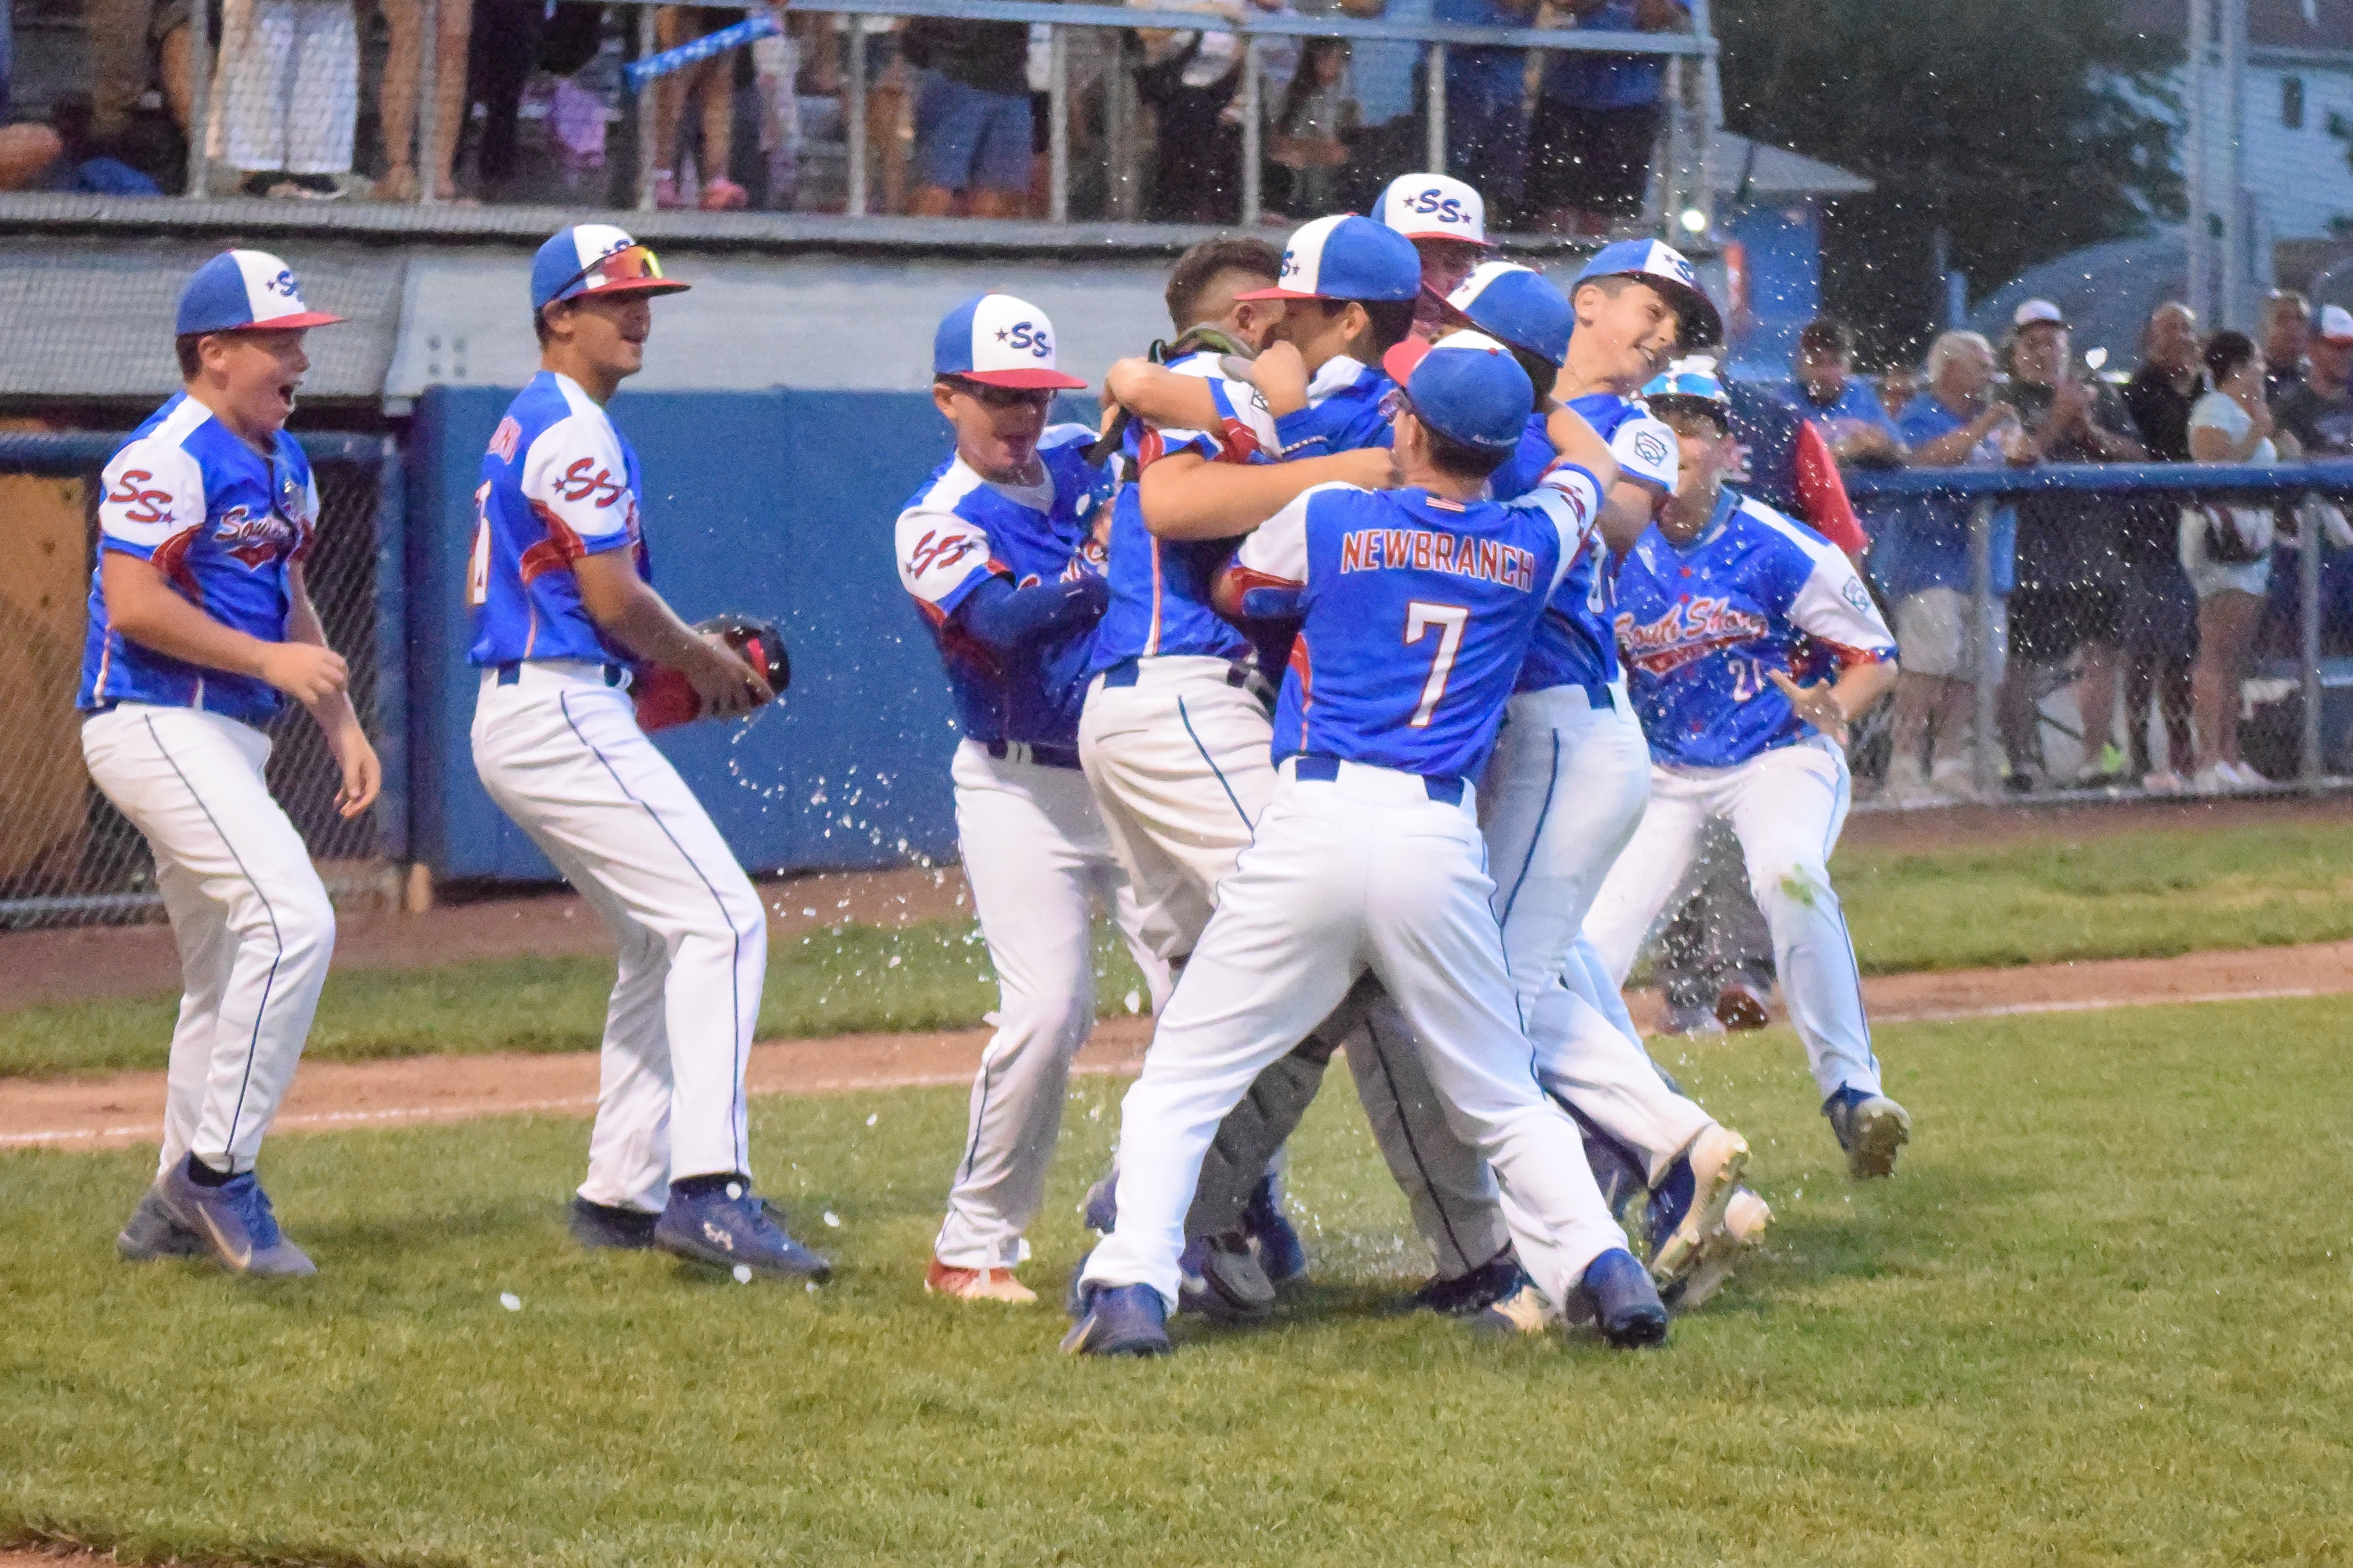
[[2148, 610], [323, 100]]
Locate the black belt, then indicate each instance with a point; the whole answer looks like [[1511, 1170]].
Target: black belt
[[511, 671], [1240, 676], [1043, 755], [1446, 791]]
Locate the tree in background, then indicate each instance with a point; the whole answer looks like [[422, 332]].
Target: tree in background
[[2021, 129]]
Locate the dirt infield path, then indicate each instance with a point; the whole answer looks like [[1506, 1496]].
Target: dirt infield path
[[126, 1108]]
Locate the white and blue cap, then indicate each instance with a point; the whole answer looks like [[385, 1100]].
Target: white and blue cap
[[998, 341], [1433, 207], [1465, 385], [1666, 269], [594, 258], [1346, 258], [1516, 305], [244, 291], [1690, 381]]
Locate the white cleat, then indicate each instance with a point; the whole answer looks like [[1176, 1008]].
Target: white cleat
[[1745, 1219], [1689, 1205]]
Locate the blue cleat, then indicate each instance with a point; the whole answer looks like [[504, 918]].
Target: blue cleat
[[1617, 1296], [152, 1232], [235, 1223], [1467, 1295], [1687, 1207], [607, 1227], [1280, 1255], [1118, 1319], [729, 1228], [1871, 1128]]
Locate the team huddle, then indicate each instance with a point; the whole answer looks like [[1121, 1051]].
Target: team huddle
[[1374, 663]]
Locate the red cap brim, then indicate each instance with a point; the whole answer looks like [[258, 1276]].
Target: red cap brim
[[1400, 360], [288, 323], [1441, 234], [634, 286], [1021, 380], [1278, 294]]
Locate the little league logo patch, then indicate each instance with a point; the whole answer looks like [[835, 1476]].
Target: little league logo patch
[[1856, 594], [1651, 447]]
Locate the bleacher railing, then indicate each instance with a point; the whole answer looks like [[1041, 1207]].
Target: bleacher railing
[[1989, 489], [1693, 105]]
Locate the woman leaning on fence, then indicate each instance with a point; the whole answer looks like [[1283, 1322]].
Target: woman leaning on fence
[[2226, 548]]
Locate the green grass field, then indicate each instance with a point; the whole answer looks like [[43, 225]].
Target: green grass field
[[2129, 895], [2103, 1315]]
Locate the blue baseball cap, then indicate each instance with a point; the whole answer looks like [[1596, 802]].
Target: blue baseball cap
[[1346, 258], [1516, 305], [1465, 385], [246, 290], [594, 258], [998, 341], [1663, 268]]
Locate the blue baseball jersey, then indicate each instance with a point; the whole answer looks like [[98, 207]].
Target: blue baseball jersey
[[1702, 624], [558, 483], [959, 530], [222, 523], [1160, 587], [1417, 612], [1574, 643], [1346, 410]]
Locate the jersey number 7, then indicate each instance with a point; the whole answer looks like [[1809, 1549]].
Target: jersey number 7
[[1419, 616]]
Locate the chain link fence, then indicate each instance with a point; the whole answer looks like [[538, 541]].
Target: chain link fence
[[66, 856]]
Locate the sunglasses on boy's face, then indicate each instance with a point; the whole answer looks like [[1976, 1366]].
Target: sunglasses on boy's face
[[990, 396]]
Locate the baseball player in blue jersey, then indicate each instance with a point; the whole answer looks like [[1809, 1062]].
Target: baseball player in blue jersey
[[1751, 645], [1446, 218], [199, 627], [995, 549], [564, 612], [1416, 609], [1559, 801]]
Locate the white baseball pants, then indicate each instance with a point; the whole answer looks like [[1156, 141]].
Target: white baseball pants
[[1038, 863], [1565, 790], [562, 754], [292, 81], [1180, 767], [1306, 911], [1787, 807], [248, 913]]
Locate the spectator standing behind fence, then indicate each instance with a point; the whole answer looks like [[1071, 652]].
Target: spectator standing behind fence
[[972, 116], [2071, 577], [2227, 552], [453, 26], [2318, 412], [1842, 409], [1920, 562], [1486, 105], [1898, 385], [1597, 119], [292, 76], [709, 87], [2160, 615], [2287, 331], [1312, 130]]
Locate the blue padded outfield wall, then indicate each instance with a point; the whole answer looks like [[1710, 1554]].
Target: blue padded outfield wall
[[775, 503]]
